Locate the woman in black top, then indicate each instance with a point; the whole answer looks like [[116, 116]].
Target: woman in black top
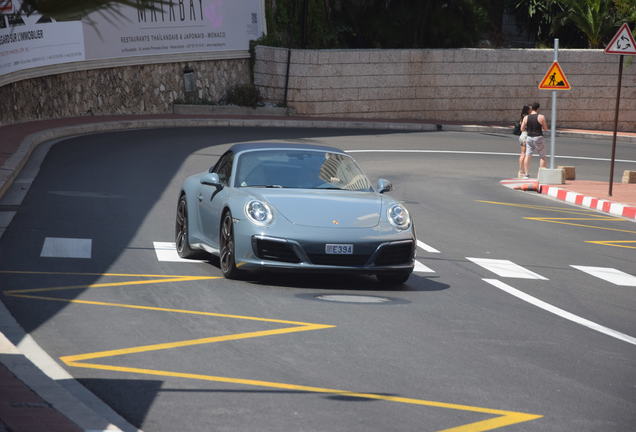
[[534, 124]]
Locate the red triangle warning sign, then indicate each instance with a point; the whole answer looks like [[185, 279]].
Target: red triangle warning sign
[[555, 79], [622, 42]]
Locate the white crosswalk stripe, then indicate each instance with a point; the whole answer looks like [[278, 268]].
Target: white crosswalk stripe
[[421, 268], [612, 275], [506, 268], [167, 251], [426, 247]]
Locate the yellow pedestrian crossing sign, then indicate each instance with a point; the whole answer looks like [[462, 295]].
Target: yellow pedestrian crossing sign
[[555, 79]]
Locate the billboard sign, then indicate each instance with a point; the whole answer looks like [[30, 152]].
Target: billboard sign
[[176, 26], [173, 27], [33, 41]]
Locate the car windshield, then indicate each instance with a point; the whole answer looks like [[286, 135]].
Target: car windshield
[[305, 169]]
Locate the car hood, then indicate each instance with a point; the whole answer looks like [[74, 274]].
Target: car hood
[[325, 209]]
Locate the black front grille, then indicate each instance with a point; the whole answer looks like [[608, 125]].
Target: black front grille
[[394, 254], [275, 251], [339, 260]]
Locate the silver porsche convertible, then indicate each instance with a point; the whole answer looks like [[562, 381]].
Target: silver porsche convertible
[[293, 207]]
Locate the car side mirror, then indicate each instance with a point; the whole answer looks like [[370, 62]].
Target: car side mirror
[[384, 186], [211, 179]]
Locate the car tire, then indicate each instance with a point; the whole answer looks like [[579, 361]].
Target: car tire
[[227, 261], [182, 242], [393, 278]]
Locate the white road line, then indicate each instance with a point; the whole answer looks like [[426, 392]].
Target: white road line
[[506, 268], [167, 251], [58, 247], [608, 274], [426, 247], [560, 312], [421, 268], [482, 153]]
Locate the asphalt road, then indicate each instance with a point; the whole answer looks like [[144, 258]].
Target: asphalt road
[[460, 347]]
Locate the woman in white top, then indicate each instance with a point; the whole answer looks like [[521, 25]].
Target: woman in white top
[[522, 141]]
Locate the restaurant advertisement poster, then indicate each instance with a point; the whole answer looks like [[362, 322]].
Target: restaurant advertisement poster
[[171, 27]]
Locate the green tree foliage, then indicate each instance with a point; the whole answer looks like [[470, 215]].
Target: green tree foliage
[[577, 23], [626, 10], [77, 9], [382, 23], [594, 18], [286, 27], [411, 23]]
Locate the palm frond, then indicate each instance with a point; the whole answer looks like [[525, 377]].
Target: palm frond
[[63, 10]]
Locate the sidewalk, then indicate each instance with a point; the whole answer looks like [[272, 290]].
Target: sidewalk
[[24, 410]]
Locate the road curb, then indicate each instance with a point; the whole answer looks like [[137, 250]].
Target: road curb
[[604, 206]]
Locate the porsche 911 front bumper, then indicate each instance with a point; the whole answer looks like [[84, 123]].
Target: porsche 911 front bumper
[[369, 256]]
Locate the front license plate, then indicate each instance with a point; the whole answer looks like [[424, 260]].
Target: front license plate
[[339, 249]]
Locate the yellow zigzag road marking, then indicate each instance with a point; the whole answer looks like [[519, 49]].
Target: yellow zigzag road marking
[[539, 207], [503, 418], [163, 279], [615, 243], [591, 216], [562, 221]]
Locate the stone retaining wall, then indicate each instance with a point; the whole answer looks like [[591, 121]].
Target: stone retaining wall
[[136, 89], [447, 85]]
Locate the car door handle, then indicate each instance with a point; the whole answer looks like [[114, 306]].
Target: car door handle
[[200, 197]]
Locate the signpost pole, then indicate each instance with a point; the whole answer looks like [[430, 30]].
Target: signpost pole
[[618, 99], [554, 111], [554, 80], [622, 43]]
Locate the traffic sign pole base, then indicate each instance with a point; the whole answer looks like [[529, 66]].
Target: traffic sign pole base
[[549, 176]]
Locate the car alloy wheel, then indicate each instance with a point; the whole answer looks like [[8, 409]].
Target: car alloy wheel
[[181, 231], [227, 261]]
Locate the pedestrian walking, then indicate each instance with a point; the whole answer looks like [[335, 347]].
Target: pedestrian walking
[[534, 124], [521, 173]]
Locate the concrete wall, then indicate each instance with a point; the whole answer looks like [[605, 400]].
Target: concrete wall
[[448, 85], [129, 89]]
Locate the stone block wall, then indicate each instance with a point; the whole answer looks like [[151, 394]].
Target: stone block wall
[[448, 85], [132, 89]]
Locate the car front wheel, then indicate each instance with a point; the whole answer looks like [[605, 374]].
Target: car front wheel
[[226, 256], [181, 232]]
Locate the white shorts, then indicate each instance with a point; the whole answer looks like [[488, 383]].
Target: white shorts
[[535, 145], [523, 137]]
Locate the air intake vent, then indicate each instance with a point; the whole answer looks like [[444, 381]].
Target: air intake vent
[[394, 254], [275, 251]]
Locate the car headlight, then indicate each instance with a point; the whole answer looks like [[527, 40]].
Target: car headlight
[[258, 212], [399, 216]]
